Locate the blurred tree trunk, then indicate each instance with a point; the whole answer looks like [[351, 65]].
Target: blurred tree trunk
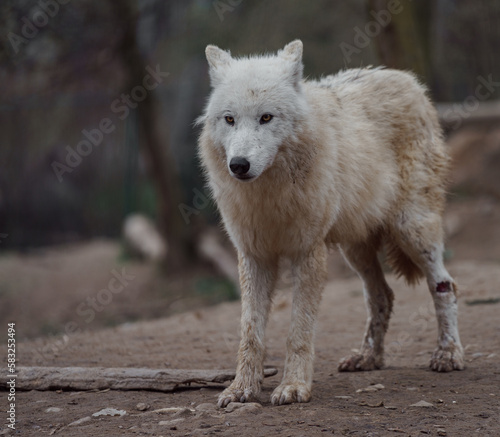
[[156, 146], [403, 42]]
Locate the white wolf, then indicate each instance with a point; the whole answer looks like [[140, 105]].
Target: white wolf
[[355, 160]]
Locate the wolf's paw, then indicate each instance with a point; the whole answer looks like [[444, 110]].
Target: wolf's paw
[[287, 393], [235, 393], [446, 360], [358, 362]]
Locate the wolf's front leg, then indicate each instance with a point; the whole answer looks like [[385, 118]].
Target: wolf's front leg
[[310, 272], [257, 281]]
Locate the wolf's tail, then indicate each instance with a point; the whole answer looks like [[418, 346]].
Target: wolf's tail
[[401, 263]]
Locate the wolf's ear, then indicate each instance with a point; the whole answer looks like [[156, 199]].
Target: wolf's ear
[[217, 60], [292, 53]]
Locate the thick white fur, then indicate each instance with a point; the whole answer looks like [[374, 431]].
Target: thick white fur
[[355, 160]]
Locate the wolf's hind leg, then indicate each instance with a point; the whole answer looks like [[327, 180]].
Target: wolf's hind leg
[[310, 272], [422, 240], [257, 281], [379, 298], [449, 354]]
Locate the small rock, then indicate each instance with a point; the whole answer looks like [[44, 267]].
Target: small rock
[[371, 388], [390, 407], [422, 404], [250, 407], [176, 411], [343, 397], [206, 407], [53, 410], [80, 421], [141, 406], [170, 422], [441, 432], [233, 406], [376, 405], [184, 412], [477, 355], [491, 356], [109, 412]]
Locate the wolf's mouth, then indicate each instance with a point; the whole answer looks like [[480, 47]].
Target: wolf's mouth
[[245, 178]]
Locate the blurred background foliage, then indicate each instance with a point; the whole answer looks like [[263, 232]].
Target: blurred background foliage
[[64, 78]]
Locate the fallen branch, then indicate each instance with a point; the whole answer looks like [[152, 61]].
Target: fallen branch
[[100, 378], [457, 114]]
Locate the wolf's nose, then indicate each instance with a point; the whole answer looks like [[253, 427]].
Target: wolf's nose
[[239, 166]]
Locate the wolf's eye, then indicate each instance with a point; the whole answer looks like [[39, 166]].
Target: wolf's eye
[[266, 118], [229, 120]]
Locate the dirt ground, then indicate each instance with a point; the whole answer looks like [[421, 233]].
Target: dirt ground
[[194, 336], [463, 403]]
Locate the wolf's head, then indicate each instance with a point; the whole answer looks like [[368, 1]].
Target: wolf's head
[[254, 107]]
